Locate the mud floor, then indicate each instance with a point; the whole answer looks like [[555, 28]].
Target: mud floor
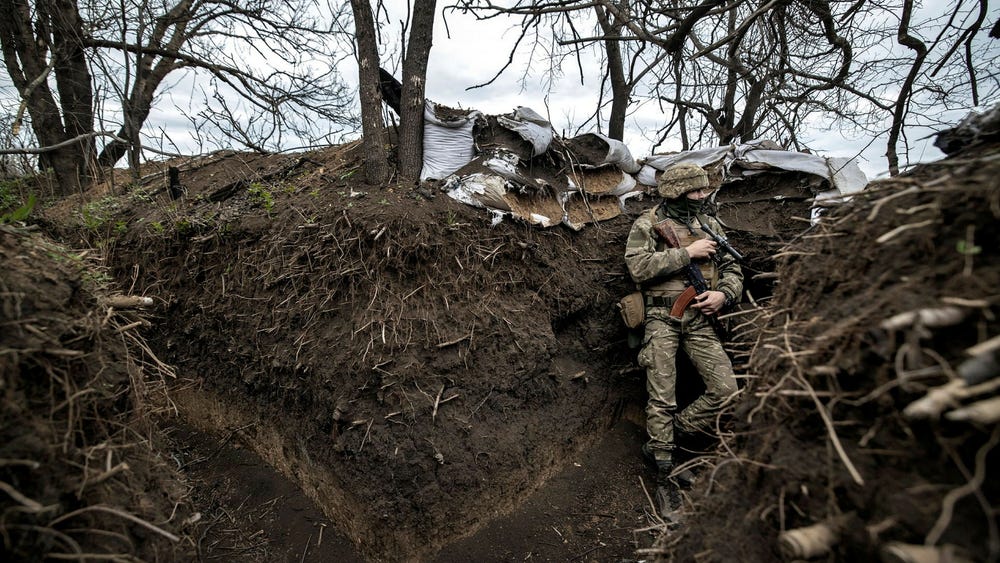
[[593, 510]]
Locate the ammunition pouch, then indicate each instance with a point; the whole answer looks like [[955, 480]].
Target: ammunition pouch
[[633, 309]]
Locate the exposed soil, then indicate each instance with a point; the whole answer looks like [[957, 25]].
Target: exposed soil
[[382, 361], [81, 470]]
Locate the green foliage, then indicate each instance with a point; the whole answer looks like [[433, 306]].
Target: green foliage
[[157, 227], [260, 196], [98, 212], [967, 248], [94, 276], [21, 213], [10, 191], [140, 194]]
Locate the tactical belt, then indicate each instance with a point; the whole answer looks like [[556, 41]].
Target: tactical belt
[[659, 301]]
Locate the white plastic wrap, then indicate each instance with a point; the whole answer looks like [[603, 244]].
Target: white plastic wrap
[[843, 173]]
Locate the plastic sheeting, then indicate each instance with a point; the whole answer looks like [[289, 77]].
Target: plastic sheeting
[[531, 127], [618, 154], [750, 158]]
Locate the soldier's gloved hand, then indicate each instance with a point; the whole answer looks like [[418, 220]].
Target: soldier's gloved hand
[[710, 302], [701, 249]]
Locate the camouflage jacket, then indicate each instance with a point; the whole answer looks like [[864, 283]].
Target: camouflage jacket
[[658, 269]]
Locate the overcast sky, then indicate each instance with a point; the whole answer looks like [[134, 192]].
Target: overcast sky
[[469, 52]]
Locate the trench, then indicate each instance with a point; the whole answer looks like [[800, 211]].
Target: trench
[[587, 504]]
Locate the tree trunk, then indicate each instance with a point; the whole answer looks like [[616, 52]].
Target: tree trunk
[[26, 50], [620, 90], [74, 83], [374, 137], [411, 120]]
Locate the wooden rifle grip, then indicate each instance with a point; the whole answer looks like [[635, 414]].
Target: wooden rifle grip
[[667, 234]]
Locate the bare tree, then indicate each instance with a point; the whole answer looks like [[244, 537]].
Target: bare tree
[[38, 41], [268, 61], [734, 71], [406, 97]]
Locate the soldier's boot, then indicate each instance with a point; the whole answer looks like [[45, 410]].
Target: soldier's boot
[[668, 494], [685, 478]]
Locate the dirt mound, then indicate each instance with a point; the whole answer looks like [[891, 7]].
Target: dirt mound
[[414, 370], [80, 476], [824, 433]]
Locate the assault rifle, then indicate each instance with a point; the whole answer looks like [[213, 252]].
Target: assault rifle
[[696, 281]]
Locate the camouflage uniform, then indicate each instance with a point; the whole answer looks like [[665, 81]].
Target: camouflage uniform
[[657, 269]]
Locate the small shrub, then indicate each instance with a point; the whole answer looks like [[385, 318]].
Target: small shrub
[[260, 196]]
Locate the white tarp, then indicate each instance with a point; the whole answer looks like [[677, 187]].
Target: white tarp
[[531, 127], [749, 158]]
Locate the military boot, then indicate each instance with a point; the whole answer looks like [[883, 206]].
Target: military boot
[[685, 477], [668, 494]]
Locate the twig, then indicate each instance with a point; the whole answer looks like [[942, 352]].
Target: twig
[[365, 438], [887, 236], [595, 548], [824, 415], [103, 476], [655, 509], [878, 205], [833, 435], [437, 401], [984, 347], [306, 550], [32, 505], [483, 401], [455, 341], [28, 462], [130, 326], [116, 512]]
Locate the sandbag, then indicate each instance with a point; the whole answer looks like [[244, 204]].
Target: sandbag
[[448, 143]]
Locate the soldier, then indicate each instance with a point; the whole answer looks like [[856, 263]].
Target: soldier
[[659, 270]]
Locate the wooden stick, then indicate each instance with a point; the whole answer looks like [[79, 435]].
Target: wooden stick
[[128, 301]]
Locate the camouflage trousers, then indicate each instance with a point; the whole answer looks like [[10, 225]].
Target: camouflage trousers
[[664, 335]]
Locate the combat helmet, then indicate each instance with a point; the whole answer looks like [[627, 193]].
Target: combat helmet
[[680, 179]]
